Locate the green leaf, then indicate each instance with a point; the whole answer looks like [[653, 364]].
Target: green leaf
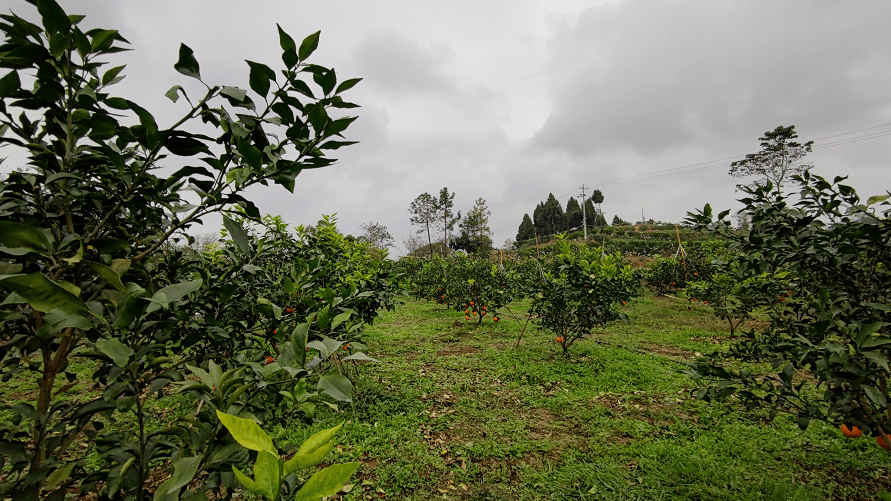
[[171, 293], [44, 295], [308, 46], [173, 93], [876, 396], [102, 39], [247, 433], [250, 153], [878, 357], [9, 84], [111, 76], [247, 482], [145, 118], [184, 471], [238, 234], [333, 145], [259, 77], [17, 235], [338, 387], [298, 342], [877, 198], [341, 318], [347, 85], [187, 64], [327, 482], [55, 20], [118, 352], [267, 474], [58, 476], [313, 450], [362, 357], [285, 40], [107, 274], [234, 92]]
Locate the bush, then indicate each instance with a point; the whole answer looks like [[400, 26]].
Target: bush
[[83, 228], [827, 263]]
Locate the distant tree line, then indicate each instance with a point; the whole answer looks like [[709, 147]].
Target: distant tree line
[[549, 218]]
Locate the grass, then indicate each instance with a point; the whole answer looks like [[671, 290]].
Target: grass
[[453, 411]]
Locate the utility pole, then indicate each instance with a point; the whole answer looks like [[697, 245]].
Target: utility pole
[[584, 218]]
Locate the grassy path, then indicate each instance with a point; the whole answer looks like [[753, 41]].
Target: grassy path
[[453, 411]]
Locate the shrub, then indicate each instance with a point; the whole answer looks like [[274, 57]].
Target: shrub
[[833, 322]]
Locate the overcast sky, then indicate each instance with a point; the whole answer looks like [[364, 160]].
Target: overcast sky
[[510, 100]]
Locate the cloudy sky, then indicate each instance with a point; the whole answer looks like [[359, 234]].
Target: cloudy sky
[[510, 100]]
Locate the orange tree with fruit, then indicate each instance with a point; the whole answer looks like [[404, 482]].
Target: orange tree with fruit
[[579, 289], [829, 338], [477, 287]]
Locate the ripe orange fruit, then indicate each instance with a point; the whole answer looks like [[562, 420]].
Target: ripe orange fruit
[[705, 302], [673, 283], [854, 432], [474, 313], [623, 302], [495, 319], [696, 274], [467, 317], [559, 339], [269, 360], [882, 443]]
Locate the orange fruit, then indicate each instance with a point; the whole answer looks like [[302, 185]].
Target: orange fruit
[[269, 360], [623, 302], [705, 302], [559, 339], [467, 317], [495, 319], [474, 313], [854, 432], [882, 443]]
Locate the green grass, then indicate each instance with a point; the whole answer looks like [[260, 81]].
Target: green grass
[[454, 411]]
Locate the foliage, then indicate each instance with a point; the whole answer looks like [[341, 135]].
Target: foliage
[[272, 474], [424, 210], [833, 323], [477, 287], [475, 232], [778, 161], [83, 229], [376, 235], [581, 289], [446, 219], [549, 218], [526, 231]]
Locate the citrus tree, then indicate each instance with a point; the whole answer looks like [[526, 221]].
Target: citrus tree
[[833, 323], [580, 289], [83, 227], [477, 287]]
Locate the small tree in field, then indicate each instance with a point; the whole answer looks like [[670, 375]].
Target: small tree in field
[[424, 212], [581, 288], [833, 321]]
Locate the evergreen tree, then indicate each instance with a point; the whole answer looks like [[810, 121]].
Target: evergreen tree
[[540, 220], [526, 231], [554, 214], [573, 213]]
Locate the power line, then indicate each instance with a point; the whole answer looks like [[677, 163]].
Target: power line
[[664, 173]]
